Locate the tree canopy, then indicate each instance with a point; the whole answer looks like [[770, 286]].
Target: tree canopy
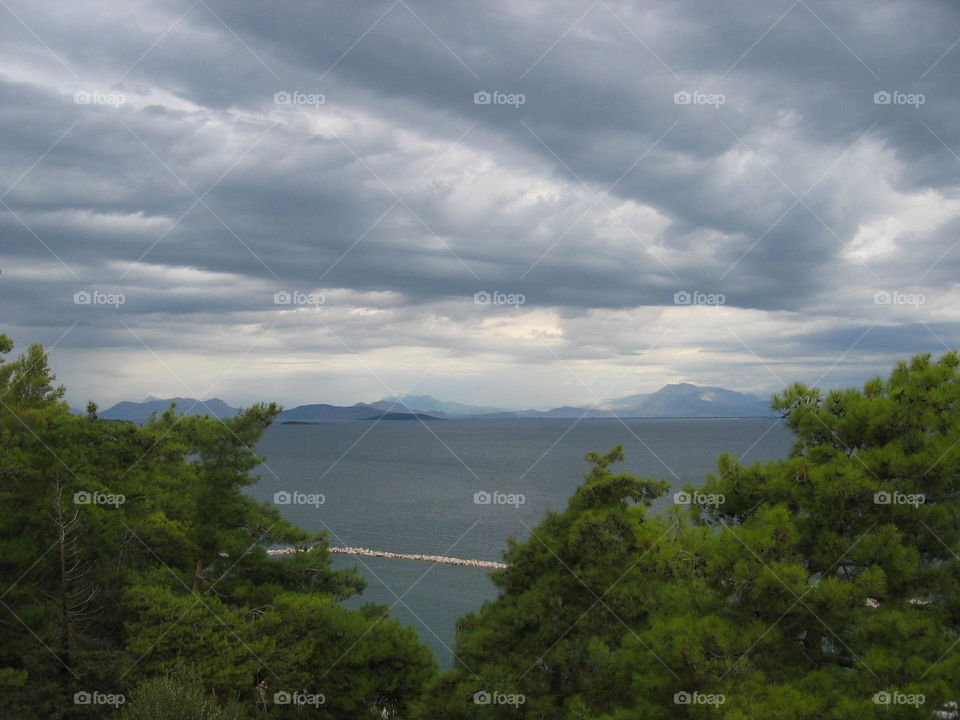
[[824, 584], [130, 552]]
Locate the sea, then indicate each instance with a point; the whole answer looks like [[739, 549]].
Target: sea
[[463, 487]]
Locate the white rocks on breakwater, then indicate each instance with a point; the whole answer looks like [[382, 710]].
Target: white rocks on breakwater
[[366, 552]]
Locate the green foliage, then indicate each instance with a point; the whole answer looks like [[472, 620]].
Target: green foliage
[[126, 551], [171, 628], [566, 597], [176, 695], [808, 588], [361, 663]]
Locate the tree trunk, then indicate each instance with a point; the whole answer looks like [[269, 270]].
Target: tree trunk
[[197, 576]]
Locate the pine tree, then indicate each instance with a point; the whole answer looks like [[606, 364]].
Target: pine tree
[[823, 585], [127, 551]]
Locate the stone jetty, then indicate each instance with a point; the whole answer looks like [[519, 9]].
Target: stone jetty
[[366, 552]]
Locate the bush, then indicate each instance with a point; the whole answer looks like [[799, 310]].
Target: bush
[[178, 695]]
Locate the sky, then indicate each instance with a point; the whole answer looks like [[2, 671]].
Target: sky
[[515, 203]]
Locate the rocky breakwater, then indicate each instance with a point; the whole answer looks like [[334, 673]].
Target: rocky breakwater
[[366, 552]]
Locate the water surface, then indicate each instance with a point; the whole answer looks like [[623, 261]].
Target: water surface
[[406, 486]]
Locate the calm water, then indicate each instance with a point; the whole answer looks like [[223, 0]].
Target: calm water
[[405, 487]]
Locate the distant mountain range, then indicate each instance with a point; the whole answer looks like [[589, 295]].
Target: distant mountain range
[[427, 404], [671, 401], [140, 411], [679, 400], [686, 400]]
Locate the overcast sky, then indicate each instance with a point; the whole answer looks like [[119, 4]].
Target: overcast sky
[[728, 193]]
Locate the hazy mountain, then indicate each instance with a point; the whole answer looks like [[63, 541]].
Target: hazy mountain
[[679, 400], [686, 400], [322, 411], [140, 411], [630, 401], [428, 404]]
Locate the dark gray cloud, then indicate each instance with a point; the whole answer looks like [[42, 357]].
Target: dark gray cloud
[[786, 184]]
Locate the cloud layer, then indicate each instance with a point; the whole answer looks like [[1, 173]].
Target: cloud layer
[[597, 170]]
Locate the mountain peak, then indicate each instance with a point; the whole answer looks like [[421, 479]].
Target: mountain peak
[[684, 386]]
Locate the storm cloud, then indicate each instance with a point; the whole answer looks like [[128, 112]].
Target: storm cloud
[[515, 203]]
